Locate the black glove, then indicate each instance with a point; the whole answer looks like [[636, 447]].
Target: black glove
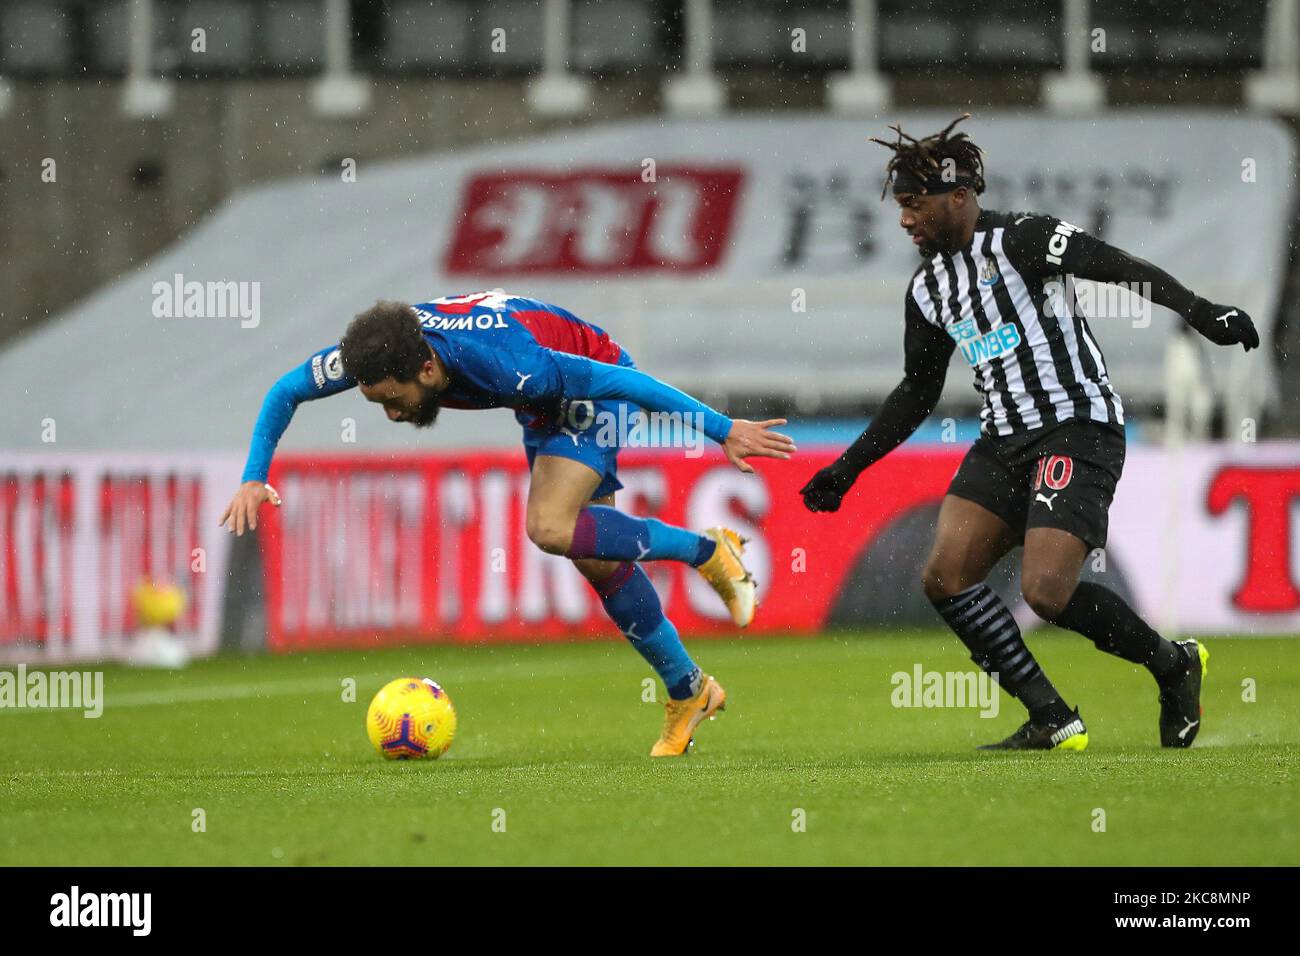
[[826, 489], [1223, 324]]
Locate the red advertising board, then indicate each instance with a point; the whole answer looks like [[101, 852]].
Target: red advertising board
[[79, 533], [37, 538], [377, 550], [594, 221]]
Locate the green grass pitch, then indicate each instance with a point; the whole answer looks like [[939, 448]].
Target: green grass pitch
[[557, 737]]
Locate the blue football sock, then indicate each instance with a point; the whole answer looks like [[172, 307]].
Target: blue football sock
[[633, 605], [604, 532]]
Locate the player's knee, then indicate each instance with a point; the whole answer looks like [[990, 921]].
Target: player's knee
[[941, 579], [1046, 594], [553, 535], [595, 570]]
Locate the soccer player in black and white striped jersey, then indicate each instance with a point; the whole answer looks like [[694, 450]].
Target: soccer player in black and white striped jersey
[[1044, 469]]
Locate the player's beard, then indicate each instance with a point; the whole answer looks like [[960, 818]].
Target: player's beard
[[426, 413], [946, 239], [930, 247]]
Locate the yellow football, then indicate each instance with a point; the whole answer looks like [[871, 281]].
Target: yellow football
[[158, 605], [411, 718]]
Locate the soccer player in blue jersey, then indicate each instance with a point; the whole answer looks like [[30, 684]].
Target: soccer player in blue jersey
[[562, 376]]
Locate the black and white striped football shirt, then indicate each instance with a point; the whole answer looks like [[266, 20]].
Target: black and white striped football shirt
[[1008, 304]]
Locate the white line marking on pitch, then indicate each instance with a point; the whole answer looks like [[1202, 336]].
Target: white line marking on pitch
[[284, 688]]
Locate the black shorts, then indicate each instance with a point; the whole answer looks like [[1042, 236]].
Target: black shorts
[[1062, 477]]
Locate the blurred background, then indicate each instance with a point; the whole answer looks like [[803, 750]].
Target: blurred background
[[196, 195]]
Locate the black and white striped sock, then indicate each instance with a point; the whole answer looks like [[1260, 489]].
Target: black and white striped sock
[[985, 625]]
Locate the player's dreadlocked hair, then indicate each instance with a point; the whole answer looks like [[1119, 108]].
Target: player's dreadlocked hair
[[382, 342], [921, 160]]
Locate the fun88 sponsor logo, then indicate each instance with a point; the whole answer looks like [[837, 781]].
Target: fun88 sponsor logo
[[977, 348]]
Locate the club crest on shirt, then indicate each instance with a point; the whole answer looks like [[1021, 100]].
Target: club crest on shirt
[[325, 367], [334, 366], [989, 274]]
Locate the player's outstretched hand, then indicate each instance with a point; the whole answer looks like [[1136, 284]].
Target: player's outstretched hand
[[756, 440], [826, 489], [241, 513], [1223, 324]]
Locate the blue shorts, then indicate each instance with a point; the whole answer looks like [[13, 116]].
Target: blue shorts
[[580, 438]]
